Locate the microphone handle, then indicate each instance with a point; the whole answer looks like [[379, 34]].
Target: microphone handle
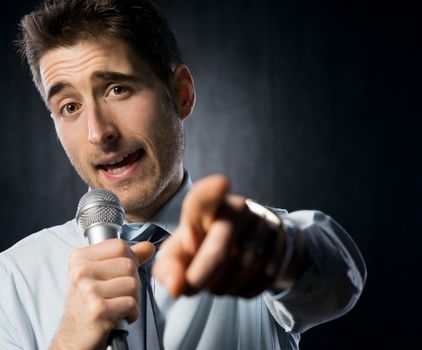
[[97, 233], [117, 340]]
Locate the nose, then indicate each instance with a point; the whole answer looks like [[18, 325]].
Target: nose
[[102, 130]]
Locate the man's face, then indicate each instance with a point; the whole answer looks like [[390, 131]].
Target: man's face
[[116, 122]]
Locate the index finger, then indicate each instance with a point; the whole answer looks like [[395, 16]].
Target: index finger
[[108, 249], [113, 248], [200, 208]]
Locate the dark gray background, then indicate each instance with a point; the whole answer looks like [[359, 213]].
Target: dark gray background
[[304, 104]]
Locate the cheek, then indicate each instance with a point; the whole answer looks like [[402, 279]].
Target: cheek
[[140, 116], [70, 141]]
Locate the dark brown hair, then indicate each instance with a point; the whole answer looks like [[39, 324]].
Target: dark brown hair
[[59, 23]]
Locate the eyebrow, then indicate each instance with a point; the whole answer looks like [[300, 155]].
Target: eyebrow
[[107, 75], [55, 89], [101, 75]]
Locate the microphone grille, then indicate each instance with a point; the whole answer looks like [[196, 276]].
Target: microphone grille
[[97, 206]]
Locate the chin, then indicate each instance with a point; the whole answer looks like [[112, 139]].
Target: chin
[[136, 197]]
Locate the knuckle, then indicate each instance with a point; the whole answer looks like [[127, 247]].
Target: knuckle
[[74, 257], [79, 272], [99, 309], [90, 288], [131, 303], [133, 286], [133, 309]]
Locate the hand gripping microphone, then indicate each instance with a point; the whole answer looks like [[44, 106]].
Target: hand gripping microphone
[[101, 216]]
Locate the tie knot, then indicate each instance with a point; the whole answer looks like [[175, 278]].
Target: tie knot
[[144, 232]]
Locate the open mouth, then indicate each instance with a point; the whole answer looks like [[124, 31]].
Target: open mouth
[[122, 164]]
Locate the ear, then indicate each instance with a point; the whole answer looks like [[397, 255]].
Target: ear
[[184, 91]]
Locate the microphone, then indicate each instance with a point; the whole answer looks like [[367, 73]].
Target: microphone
[[100, 215]]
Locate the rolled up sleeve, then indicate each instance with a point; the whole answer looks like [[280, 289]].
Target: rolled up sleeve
[[332, 284]]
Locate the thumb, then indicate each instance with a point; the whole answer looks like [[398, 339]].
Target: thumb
[[143, 251]]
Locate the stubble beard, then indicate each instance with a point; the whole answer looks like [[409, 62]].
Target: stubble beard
[[155, 188], [158, 186], [145, 190]]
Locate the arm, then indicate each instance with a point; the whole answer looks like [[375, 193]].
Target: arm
[[222, 247]]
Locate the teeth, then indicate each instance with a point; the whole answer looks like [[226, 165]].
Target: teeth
[[118, 170], [116, 161]]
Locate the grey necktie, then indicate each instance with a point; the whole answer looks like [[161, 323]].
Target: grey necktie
[[146, 332]]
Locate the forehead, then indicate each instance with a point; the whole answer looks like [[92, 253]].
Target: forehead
[[80, 60]]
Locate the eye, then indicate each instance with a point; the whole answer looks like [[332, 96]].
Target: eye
[[119, 90], [69, 109]]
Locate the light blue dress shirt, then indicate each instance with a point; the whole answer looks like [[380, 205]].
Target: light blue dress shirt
[[33, 284]]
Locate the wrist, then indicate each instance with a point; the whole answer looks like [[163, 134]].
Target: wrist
[[293, 258], [296, 259], [68, 338]]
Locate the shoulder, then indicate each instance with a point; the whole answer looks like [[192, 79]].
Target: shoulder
[[33, 275], [42, 245]]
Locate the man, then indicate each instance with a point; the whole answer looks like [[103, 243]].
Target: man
[[231, 275]]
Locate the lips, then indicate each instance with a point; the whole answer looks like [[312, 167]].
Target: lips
[[122, 163]]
